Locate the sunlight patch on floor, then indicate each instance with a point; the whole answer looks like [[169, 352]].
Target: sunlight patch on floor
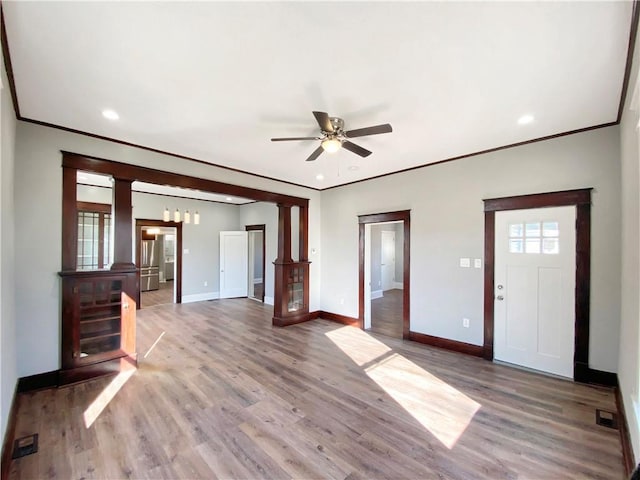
[[94, 410], [154, 344], [442, 409]]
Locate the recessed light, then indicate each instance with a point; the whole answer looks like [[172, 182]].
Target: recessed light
[[319, 176], [110, 114], [525, 119], [353, 168]]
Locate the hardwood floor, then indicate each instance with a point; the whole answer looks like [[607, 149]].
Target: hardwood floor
[[162, 296], [386, 314], [220, 393]]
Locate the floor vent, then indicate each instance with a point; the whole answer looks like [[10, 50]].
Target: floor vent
[[25, 446], [606, 419]]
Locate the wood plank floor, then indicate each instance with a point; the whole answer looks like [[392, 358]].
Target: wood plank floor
[[162, 296], [386, 314], [221, 394]]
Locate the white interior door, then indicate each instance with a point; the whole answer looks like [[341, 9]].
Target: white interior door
[[534, 288], [234, 264], [388, 260]]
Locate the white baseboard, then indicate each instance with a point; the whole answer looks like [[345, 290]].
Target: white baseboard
[[200, 297], [398, 285], [257, 280], [268, 300], [376, 294]]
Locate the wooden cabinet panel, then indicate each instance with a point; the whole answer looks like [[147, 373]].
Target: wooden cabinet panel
[[98, 321]]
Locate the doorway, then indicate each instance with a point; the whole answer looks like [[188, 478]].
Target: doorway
[[581, 201], [256, 279], [393, 313], [385, 244], [159, 262]]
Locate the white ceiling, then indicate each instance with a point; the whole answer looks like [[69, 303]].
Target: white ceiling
[[216, 80]]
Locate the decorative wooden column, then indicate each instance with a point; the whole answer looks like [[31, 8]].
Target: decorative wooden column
[[69, 219], [122, 239], [291, 292]]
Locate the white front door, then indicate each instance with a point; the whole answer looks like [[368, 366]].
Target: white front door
[[234, 263], [534, 291], [388, 260]]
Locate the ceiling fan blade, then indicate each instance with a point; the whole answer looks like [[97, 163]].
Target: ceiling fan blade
[[316, 153], [361, 132], [324, 121], [357, 149], [293, 138]]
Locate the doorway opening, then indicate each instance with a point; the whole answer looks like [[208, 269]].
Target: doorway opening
[[159, 262], [384, 251], [256, 278], [581, 200], [384, 295]]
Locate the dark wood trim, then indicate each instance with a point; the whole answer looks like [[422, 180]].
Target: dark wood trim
[[489, 276], [336, 317], [403, 216], [316, 314], [475, 154], [539, 200], [40, 381], [584, 374], [291, 320], [581, 198], [628, 458], [147, 222], [88, 372], [261, 228], [9, 435], [630, 49], [122, 235], [126, 171], [303, 234], [9, 68], [69, 220], [447, 344]]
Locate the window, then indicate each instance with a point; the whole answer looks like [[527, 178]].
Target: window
[[534, 237], [94, 233]]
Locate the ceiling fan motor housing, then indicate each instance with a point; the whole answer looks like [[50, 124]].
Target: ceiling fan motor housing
[[337, 124]]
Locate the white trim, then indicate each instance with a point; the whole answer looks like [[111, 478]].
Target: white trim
[[398, 285], [268, 300], [200, 297], [376, 294]]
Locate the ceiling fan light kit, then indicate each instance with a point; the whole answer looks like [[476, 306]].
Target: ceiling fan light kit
[[333, 137]]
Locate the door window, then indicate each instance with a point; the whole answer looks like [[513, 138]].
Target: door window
[[534, 237]]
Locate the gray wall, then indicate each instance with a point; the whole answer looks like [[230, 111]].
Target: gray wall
[[38, 203], [8, 347], [447, 222], [629, 360], [202, 263]]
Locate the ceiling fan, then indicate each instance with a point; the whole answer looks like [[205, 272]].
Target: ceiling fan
[[333, 136]]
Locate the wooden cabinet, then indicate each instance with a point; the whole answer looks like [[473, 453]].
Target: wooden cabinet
[[292, 278], [98, 323]]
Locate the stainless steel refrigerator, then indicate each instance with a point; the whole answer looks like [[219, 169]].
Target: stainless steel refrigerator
[[149, 266]]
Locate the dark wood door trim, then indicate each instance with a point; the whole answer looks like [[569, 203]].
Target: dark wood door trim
[[405, 217], [142, 222], [261, 228], [581, 199]]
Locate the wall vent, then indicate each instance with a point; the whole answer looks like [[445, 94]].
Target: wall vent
[[606, 419], [24, 446]]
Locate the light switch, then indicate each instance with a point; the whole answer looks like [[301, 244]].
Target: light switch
[[465, 262], [477, 263], [186, 251]]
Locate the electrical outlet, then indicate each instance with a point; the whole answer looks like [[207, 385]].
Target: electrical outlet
[[206, 283], [477, 263], [465, 322], [342, 301]]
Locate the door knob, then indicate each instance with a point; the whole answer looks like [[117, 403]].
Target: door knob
[[500, 297]]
